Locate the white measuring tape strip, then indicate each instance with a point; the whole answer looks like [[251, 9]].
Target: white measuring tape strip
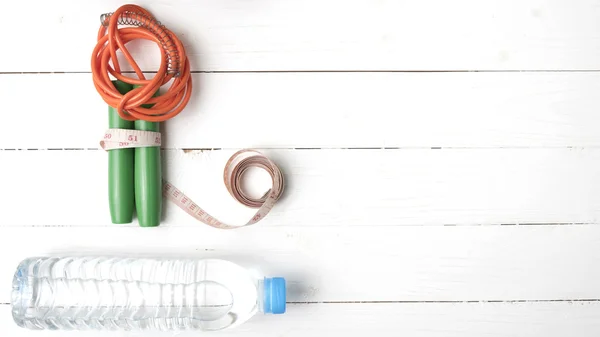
[[233, 172], [125, 138]]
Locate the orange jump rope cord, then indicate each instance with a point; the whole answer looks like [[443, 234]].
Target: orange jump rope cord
[[174, 66]]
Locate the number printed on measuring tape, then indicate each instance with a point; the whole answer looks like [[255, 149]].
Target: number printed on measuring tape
[[239, 162], [124, 138]]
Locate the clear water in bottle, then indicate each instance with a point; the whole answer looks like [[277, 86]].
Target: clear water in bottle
[[139, 294]]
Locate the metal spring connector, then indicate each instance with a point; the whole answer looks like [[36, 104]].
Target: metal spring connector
[[155, 27]]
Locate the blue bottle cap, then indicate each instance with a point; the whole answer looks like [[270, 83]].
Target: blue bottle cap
[[274, 301]]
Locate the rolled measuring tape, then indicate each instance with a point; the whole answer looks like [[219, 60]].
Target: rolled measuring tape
[[235, 168]]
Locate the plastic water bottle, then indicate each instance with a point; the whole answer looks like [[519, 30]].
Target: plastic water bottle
[[139, 294]]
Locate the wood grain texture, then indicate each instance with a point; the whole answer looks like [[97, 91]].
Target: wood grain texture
[[326, 187], [471, 207], [313, 35], [358, 264], [405, 319], [314, 110]]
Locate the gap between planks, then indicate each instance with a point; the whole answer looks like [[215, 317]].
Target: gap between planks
[[593, 300], [134, 225], [320, 71], [188, 150]]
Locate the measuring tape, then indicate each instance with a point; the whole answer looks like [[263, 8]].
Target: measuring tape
[[232, 174]]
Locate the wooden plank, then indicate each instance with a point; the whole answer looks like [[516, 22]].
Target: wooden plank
[[310, 35], [406, 319], [340, 264], [282, 110], [326, 187]]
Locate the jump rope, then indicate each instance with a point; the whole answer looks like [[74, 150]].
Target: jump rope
[[137, 107]]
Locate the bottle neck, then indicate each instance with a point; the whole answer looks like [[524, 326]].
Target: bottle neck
[[261, 296]]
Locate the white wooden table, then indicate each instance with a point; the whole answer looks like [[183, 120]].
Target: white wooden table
[[442, 157]]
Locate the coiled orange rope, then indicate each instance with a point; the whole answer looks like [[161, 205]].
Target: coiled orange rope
[[174, 66]]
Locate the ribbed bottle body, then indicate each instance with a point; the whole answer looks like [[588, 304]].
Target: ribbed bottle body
[[133, 294]]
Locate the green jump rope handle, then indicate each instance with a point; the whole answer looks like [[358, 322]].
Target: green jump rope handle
[[120, 168], [148, 179]]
